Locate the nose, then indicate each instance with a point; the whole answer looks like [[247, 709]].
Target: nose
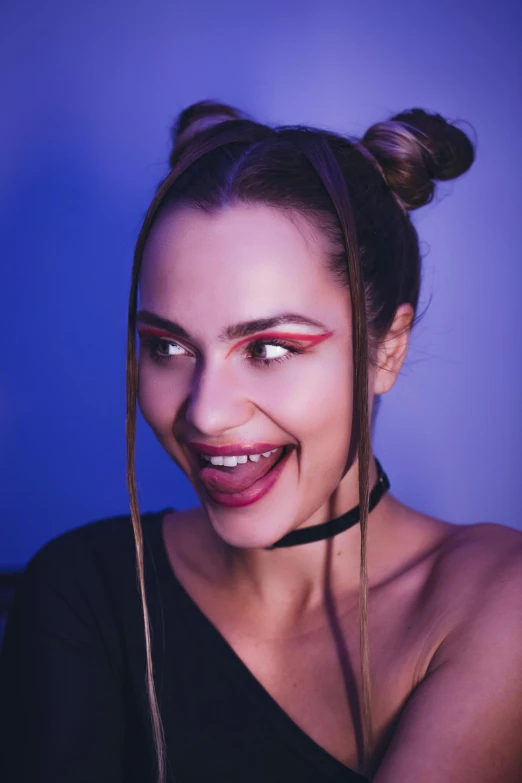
[[217, 402]]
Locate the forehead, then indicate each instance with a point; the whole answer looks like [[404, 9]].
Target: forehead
[[237, 263]]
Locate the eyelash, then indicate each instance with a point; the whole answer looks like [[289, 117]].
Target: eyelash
[[153, 344]]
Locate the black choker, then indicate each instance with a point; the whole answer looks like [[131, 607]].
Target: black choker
[[334, 526]]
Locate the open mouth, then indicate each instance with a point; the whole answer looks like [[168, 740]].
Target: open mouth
[[242, 480]]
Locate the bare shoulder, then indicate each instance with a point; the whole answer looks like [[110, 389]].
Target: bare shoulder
[[478, 578], [490, 535], [483, 551], [463, 719]]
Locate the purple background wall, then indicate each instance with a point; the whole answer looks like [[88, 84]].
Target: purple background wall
[[87, 93]]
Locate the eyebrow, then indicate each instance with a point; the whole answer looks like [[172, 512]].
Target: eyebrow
[[234, 332]]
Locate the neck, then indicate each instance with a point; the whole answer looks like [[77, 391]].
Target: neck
[[294, 581]]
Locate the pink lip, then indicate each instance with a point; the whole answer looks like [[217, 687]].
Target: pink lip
[[254, 493], [233, 449]]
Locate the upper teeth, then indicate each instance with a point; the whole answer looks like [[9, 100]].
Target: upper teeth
[[231, 462]]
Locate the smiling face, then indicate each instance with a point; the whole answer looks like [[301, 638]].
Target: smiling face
[[246, 343]]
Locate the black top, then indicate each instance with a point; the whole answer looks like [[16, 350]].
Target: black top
[[73, 705]]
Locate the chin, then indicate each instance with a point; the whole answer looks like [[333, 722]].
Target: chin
[[254, 526]]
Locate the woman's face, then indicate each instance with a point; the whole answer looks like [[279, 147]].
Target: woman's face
[[246, 344]]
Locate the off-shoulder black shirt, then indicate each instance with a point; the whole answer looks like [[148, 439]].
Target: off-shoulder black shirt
[[73, 705]]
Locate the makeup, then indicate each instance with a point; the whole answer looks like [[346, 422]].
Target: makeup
[[310, 339], [240, 331], [151, 331], [222, 486], [239, 474], [283, 339], [164, 325], [232, 448]]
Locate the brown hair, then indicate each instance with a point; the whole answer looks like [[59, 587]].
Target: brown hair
[[358, 193], [198, 117]]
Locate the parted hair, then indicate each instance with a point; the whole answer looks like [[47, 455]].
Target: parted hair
[[359, 193]]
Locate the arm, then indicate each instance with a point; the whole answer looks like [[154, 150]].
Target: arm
[[464, 721], [61, 717]]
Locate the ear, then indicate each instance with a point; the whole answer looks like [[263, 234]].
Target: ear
[[393, 349]]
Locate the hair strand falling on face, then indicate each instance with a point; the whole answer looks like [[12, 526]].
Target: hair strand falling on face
[[132, 393], [322, 159], [132, 377]]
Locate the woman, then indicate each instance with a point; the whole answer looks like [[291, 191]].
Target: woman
[[301, 624]]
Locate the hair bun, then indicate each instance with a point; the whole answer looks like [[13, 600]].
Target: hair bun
[[198, 117], [414, 149]]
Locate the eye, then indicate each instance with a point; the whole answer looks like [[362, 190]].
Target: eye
[[268, 351], [162, 349], [169, 348]]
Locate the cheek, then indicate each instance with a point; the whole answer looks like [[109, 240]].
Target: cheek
[[310, 400], [160, 395], [314, 405]]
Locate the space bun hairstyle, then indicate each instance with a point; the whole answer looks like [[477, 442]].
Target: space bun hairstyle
[[358, 193], [197, 117], [414, 149]]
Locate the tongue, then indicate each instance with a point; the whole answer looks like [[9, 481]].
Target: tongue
[[239, 478]]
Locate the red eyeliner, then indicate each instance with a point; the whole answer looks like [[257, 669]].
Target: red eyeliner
[[311, 339], [151, 331]]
